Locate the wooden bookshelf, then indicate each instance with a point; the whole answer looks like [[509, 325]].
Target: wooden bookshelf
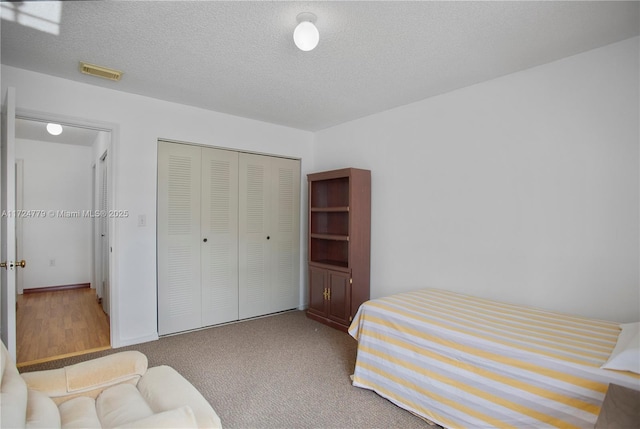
[[339, 244]]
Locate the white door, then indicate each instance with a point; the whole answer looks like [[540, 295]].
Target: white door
[[269, 252], [105, 249], [254, 235], [8, 233], [285, 234], [179, 290], [228, 236], [219, 233]]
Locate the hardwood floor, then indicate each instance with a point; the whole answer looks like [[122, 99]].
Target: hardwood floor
[[52, 325]]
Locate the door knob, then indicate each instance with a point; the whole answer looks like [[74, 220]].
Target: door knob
[[20, 264]]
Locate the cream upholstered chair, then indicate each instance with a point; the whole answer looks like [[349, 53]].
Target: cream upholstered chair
[[117, 390]]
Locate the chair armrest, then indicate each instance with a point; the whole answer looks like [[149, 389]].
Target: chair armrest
[[88, 378]]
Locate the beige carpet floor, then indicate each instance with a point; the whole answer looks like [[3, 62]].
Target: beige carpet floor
[[280, 371]]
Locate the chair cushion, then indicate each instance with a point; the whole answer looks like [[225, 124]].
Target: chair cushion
[[165, 389], [42, 412], [182, 418], [79, 413], [120, 405]]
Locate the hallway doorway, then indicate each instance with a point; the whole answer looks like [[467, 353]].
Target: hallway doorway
[[57, 324], [65, 280]]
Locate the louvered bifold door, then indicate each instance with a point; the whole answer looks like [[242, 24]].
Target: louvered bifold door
[[269, 240], [285, 234], [219, 242], [254, 239], [179, 291]]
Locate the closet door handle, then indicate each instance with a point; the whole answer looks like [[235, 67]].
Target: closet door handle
[[268, 237]]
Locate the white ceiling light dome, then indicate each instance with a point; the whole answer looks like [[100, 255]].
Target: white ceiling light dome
[[306, 35], [54, 129]]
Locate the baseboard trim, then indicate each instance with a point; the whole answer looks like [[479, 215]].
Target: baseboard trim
[[57, 288], [116, 343]]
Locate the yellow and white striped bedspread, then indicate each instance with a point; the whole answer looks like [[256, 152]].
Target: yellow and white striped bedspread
[[462, 361]]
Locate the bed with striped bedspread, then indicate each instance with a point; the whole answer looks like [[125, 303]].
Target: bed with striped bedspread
[[462, 361]]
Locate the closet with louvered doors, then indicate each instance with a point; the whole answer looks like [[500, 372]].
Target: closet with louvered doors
[[228, 236]]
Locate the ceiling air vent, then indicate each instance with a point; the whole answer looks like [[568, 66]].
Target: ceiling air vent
[[99, 71]]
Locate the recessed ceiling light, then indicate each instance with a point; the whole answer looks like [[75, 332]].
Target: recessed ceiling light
[[54, 129]]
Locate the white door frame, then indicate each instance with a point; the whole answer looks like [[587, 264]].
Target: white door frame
[[103, 228], [112, 146], [19, 222], [8, 230], [94, 230]]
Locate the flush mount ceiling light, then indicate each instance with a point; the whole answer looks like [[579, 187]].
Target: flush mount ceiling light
[[54, 129], [306, 35]]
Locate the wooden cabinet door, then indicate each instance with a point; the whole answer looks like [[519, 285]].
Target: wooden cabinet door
[[339, 299], [317, 291]]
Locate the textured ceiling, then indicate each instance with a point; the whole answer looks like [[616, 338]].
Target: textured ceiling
[[239, 57]]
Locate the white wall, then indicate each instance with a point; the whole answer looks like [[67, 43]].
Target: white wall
[[524, 188], [57, 179], [140, 121]]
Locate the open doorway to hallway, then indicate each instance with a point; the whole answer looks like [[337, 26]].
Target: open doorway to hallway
[[62, 323], [63, 292]]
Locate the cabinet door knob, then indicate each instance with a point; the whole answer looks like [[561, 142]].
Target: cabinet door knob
[[327, 294], [268, 237], [205, 240]]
